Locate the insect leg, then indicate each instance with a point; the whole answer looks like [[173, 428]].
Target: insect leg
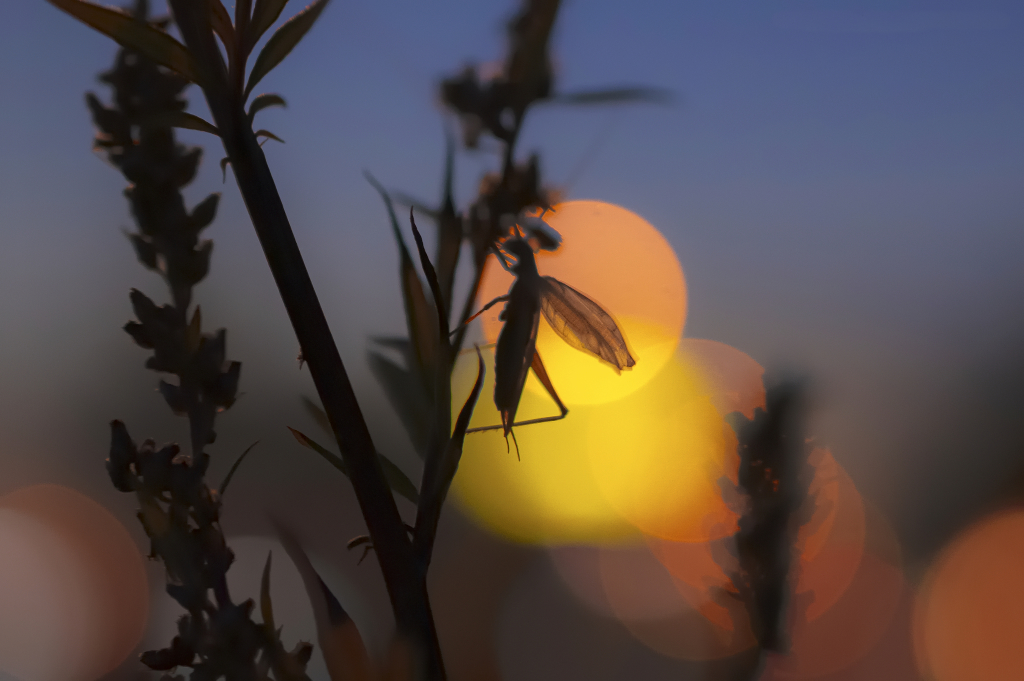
[[485, 308]]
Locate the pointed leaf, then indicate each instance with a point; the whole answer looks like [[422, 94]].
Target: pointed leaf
[[419, 316], [282, 42], [397, 480], [406, 396], [615, 96], [431, 274], [436, 489], [224, 168], [133, 34], [339, 639], [269, 135], [331, 457], [234, 467], [318, 414], [220, 20], [266, 607], [181, 119], [264, 14], [262, 102]]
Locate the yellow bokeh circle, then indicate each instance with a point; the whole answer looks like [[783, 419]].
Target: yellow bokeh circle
[[623, 263]]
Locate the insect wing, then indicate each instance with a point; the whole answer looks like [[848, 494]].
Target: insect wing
[[514, 352], [583, 324]]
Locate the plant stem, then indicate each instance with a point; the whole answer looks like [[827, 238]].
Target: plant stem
[[405, 581]]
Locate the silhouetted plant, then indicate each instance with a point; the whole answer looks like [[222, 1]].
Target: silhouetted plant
[[179, 512]]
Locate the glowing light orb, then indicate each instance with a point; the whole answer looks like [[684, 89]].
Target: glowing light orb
[[858, 619], [658, 456], [73, 589], [546, 496], [832, 541], [968, 622], [735, 379], [651, 462], [623, 263]]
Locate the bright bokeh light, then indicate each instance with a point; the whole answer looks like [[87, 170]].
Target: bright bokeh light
[[658, 456], [548, 495], [844, 633], [649, 462], [73, 590], [630, 585], [968, 621], [735, 380], [622, 262], [837, 528]]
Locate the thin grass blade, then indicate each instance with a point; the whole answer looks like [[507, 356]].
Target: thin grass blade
[[234, 467]]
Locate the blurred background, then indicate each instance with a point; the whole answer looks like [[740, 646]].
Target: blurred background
[[840, 182]]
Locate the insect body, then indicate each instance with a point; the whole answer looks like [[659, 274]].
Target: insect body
[[580, 322]]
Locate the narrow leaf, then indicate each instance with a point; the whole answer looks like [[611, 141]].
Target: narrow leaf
[[615, 96], [264, 14], [397, 480], [220, 20], [224, 168], [266, 608], [262, 102], [282, 42], [234, 467], [181, 119], [340, 642], [268, 134], [318, 414], [406, 396], [331, 457], [431, 274], [429, 512], [134, 34], [419, 317]]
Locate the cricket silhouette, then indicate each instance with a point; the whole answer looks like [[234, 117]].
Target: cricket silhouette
[[577, 319]]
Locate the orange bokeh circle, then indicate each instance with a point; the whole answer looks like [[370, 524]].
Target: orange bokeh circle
[[968, 623], [102, 577]]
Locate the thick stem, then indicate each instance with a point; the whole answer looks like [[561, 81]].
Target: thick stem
[[405, 581]]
